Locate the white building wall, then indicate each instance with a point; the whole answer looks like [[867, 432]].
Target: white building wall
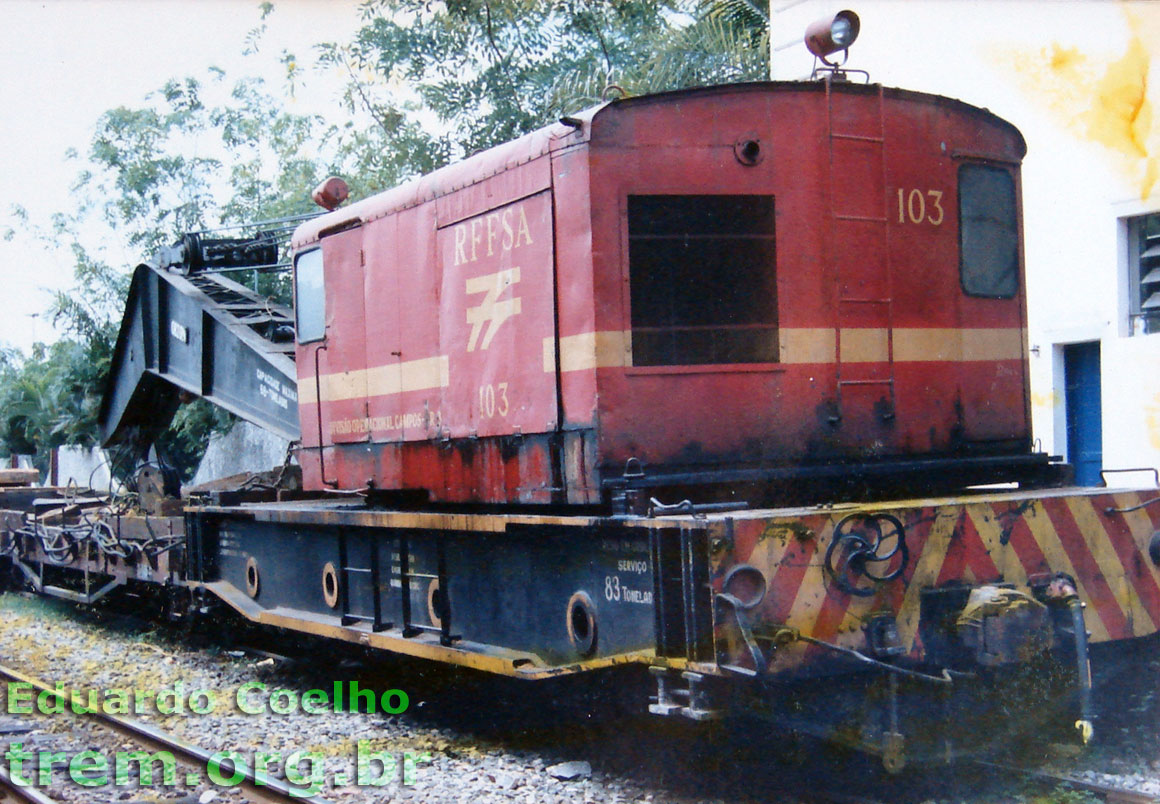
[[1080, 80]]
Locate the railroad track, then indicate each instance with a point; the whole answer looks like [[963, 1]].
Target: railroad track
[[671, 763], [1109, 793], [257, 786], [10, 791]]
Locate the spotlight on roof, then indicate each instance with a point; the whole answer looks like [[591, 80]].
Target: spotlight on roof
[[831, 34]]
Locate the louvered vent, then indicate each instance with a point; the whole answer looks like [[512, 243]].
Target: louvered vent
[[1147, 291]]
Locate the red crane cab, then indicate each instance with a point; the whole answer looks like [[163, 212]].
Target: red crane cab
[[789, 289]]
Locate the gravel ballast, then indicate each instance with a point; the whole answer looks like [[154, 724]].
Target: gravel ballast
[[462, 737]]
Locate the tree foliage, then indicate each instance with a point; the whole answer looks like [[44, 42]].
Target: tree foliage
[[46, 398], [490, 70], [185, 163], [177, 163]]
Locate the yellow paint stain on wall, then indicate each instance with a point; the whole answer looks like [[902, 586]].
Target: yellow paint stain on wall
[[1051, 399], [1152, 422], [1120, 116], [1105, 98], [1065, 58]]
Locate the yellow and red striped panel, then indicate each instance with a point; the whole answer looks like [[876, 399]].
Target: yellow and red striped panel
[[997, 538]]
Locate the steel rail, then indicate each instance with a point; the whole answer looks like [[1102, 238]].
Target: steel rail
[[1110, 793], [10, 791], [828, 796], [269, 789]]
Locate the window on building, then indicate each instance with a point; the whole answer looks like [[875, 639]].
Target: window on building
[[1144, 273], [309, 297], [702, 278], [988, 232]]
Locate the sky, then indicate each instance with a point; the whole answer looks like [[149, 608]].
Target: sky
[[64, 62]]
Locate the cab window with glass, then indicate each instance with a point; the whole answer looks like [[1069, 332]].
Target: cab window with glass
[[309, 297], [988, 232]]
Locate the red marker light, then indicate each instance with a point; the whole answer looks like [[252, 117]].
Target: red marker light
[[330, 193]]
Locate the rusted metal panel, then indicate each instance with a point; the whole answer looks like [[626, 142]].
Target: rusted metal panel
[[873, 321], [341, 381], [880, 354], [1019, 539], [390, 371], [576, 348], [497, 309]]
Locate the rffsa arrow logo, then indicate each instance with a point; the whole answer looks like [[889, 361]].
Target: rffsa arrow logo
[[489, 238], [492, 311]]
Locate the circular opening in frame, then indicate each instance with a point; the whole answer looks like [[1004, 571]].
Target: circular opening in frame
[[252, 579], [746, 583], [581, 624], [330, 585], [748, 151], [436, 603]]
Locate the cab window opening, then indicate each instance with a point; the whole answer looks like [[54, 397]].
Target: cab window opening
[[702, 281]]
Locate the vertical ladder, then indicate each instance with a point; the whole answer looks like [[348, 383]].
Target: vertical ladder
[[859, 256], [345, 573], [413, 629]]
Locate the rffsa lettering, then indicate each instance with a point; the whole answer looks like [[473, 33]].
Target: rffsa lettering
[[505, 230]]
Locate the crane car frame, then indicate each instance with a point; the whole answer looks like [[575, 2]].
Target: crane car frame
[[794, 311]]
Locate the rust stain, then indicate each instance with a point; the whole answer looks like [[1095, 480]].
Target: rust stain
[[1104, 98]]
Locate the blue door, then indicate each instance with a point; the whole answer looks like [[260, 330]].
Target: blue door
[[1085, 442]]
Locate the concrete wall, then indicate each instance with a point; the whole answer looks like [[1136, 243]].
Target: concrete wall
[[86, 467], [245, 448], [1080, 80]]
